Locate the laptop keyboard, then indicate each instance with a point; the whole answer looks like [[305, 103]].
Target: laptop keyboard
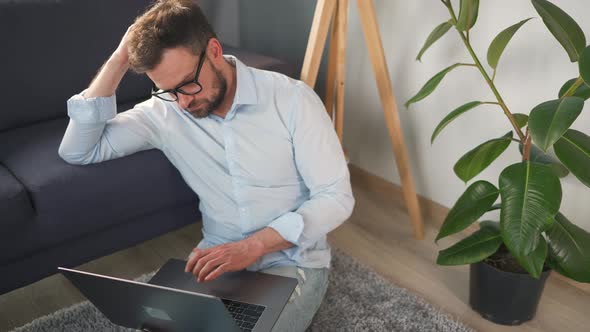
[[246, 315]]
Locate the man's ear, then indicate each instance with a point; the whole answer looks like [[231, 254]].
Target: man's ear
[[215, 50]]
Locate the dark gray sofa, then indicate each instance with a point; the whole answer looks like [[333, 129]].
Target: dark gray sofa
[[52, 213]]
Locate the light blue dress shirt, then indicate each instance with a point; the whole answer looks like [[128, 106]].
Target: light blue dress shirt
[[274, 160]]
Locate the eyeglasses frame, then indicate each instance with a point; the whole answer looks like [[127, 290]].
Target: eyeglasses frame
[[157, 92]]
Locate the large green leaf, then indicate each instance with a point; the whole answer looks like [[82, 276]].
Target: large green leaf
[[431, 85], [467, 14], [452, 116], [499, 43], [521, 119], [533, 262], [476, 160], [473, 203], [584, 64], [435, 35], [531, 196], [569, 249], [567, 32], [573, 149], [538, 156], [550, 120], [472, 249], [583, 91]]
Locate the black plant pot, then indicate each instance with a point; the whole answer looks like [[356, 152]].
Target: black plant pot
[[502, 297]]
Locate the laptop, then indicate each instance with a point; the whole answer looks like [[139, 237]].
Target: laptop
[[174, 301]]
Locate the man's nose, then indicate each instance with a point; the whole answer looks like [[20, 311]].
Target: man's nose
[[184, 100]]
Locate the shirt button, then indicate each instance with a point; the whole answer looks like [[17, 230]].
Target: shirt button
[[244, 210]]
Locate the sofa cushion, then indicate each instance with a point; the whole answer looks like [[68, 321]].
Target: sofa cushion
[[28, 267], [75, 200], [261, 61], [52, 49], [15, 205]]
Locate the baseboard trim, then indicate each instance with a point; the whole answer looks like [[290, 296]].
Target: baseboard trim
[[431, 210]]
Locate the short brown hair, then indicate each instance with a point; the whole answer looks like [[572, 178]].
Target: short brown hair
[[167, 24]]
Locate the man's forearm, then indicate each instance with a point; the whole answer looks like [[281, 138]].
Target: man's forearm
[[110, 75], [208, 264], [268, 240]]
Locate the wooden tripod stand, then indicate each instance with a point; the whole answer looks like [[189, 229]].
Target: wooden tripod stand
[[335, 12]]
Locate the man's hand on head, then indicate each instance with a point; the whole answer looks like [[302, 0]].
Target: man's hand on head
[[208, 264], [122, 51], [110, 75]]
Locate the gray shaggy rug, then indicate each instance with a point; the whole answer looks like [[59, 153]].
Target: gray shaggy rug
[[357, 299]]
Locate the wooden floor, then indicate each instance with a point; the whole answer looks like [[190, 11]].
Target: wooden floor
[[378, 234]]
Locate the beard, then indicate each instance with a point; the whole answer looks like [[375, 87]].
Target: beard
[[210, 105]]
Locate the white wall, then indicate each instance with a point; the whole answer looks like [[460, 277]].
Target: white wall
[[532, 69]]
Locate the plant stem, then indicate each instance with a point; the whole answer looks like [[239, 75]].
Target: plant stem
[[468, 64], [526, 149], [574, 87], [491, 103], [487, 77]]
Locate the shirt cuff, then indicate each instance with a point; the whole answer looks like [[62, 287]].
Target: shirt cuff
[[289, 226], [92, 110]]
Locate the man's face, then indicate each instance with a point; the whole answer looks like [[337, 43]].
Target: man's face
[[178, 66]]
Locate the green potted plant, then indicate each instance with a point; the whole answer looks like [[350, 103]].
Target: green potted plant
[[511, 258]]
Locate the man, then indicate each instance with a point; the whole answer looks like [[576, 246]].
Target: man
[[256, 146]]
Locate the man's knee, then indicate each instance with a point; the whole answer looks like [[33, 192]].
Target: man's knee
[[297, 291], [305, 300]]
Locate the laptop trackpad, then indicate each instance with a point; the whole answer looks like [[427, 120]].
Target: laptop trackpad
[[244, 286]]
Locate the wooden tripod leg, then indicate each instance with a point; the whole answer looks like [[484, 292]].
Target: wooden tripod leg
[[317, 39], [342, 15], [332, 62], [376, 53]]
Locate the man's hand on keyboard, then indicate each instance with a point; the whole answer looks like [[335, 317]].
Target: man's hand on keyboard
[[208, 264]]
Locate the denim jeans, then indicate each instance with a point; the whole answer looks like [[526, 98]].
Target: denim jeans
[[306, 299]]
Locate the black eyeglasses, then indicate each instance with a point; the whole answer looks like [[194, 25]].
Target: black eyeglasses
[[189, 88]]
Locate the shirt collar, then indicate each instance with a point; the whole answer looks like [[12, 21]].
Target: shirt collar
[[245, 89], [245, 85]]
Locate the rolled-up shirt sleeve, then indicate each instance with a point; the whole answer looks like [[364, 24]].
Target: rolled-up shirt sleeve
[[97, 133], [289, 226], [322, 165]]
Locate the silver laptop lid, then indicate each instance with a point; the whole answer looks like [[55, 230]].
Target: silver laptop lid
[[151, 307]]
